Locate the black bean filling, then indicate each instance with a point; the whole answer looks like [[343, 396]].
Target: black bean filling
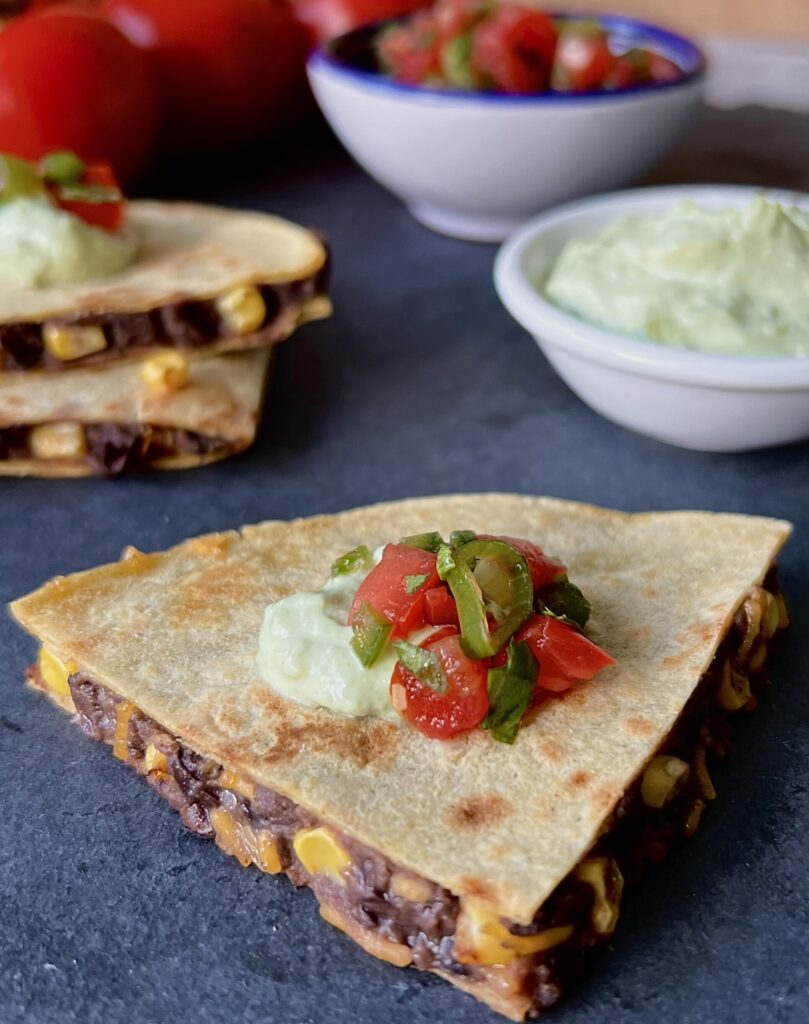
[[187, 324], [636, 834], [114, 448]]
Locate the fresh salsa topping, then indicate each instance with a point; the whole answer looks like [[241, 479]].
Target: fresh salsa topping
[[512, 47], [89, 190], [503, 621]]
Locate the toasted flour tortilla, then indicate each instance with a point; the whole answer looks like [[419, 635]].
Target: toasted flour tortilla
[[222, 399], [185, 251], [176, 633]]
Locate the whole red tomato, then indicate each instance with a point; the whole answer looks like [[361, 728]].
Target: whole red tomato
[[329, 18], [227, 69], [70, 80]]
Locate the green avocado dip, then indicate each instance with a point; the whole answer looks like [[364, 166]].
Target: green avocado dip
[[730, 281], [41, 246]]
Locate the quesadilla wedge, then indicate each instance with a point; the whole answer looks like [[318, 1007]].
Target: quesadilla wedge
[[204, 280], [496, 865], [163, 413]]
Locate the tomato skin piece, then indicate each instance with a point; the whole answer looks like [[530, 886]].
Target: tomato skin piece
[[326, 19], [462, 707], [583, 60], [70, 80], [109, 216], [409, 50], [384, 588], [543, 569], [228, 70], [513, 49], [563, 653], [440, 608]]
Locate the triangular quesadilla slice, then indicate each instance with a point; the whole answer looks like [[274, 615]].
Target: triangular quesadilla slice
[[162, 413], [205, 280], [496, 865]]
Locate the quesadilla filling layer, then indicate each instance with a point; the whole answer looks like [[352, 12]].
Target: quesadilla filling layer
[[476, 632], [269, 310], [108, 448], [406, 919]]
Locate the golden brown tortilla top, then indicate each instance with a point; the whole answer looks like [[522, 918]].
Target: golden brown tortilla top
[[177, 633]]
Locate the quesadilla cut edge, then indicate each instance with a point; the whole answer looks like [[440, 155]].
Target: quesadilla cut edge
[[115, 420], [206, 280], [496, 867]]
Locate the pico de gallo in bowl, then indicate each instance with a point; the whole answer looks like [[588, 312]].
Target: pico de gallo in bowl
[[471, 632], [514, 47], [479, 115]]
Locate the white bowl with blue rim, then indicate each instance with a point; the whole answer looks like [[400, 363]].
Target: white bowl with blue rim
[[692, 399], [476, 165]]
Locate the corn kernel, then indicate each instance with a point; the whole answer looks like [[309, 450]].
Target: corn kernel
[[72, 342], [411, 887], [483, 938], [320, 853], [167, 371], [237, 783], [246, 844], [243, 309], [119, 742], [603, 874], [154, 760], [57, 441], [55, 673], [663, 779]]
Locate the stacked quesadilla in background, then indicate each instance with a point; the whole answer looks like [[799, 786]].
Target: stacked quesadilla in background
[[495, 866], [162, 365]]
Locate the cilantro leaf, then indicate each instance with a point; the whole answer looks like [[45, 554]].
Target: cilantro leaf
[[412, 583], [424, 665], [566, 602], [510, 689]]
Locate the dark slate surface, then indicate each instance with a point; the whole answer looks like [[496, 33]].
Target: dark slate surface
[[420, 384]]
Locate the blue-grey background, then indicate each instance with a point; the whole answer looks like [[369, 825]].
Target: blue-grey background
[[420, 384]]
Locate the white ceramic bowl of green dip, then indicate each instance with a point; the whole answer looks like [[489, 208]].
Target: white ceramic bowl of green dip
[[704, 389]]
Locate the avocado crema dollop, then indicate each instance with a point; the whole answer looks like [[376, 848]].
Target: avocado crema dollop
[[305, 652], [731, 281], [41, 246]]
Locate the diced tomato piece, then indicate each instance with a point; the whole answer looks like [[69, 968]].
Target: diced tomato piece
[[440, 608], [564, 654], [544, 570], [583, 58], [661, 69], [409, 50], [623, 73], [385, 587], [513, 49], [455, 17], [109, 216], [442, 715]]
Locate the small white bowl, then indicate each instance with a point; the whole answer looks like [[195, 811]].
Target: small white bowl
[[476, 165], [691, 399]]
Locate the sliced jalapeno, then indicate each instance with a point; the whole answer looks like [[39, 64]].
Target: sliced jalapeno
[[371, 633], [487, 577]]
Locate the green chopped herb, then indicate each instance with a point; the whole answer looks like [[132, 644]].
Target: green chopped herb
[[356, 558], [18, 178], [456, 62], [424, 665], [510, 690], [424, 541], [460, 537], [62, 167], [412, 583], [564, 601], [371, 633]]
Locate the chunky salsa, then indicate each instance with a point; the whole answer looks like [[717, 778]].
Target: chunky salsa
[[512, 47], [504, 629], [89, 190]]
